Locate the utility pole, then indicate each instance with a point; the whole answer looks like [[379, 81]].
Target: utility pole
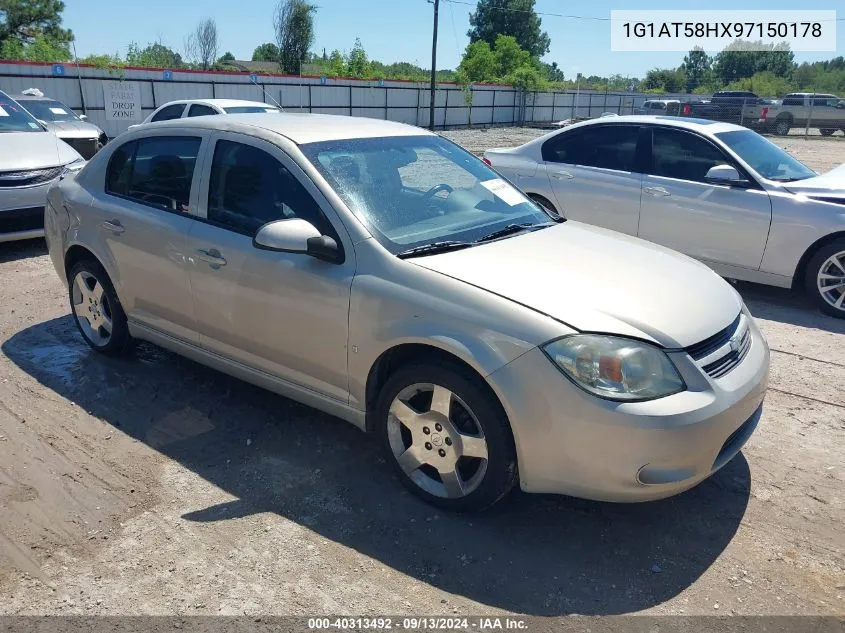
[[433, 65]]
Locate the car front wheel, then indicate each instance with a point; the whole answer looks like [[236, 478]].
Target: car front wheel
[[825, 281], [447, 437], [97, 310]]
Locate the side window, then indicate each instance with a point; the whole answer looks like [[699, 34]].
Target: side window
[[683, 155], [793, 101], [162, 171], [606, 146], [198, 109], [120, 169], [249, 187], [168, 113]]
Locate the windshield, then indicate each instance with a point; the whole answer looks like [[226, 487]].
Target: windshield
[[766, 158], [411, 191], [250, 109], [14, 118], [49, 110]]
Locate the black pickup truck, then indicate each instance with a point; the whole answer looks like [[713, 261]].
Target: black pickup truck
[[730, 106]]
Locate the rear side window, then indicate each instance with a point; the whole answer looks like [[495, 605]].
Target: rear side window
[[155, 171], [249, 188], [606, 146], [793, 101], [683, 155], [198, 109], [170, 112]]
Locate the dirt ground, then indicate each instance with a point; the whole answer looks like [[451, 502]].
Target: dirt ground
[[156, 486]]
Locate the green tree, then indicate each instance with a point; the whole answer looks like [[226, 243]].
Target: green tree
[[293, 22], [736, 61], [155, 55], [28, 21], [267, 52], [664, 80], [226, 58], [356, 63], [478, 64], [696, 68], [516, 18], [509, 55], [553, 72]]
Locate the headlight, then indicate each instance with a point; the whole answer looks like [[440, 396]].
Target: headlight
[[615, 368], [76, 165]]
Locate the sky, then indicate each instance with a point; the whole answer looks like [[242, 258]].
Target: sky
[[393, 30]]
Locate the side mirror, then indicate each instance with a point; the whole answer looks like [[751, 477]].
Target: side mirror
[[297, 236], [83, 117], [724, 175]]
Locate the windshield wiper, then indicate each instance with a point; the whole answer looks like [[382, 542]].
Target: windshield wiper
[[510, 229], [434, 247]]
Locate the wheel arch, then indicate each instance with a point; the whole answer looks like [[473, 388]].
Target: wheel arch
[[408, 353], [801, 269], [77, 253]]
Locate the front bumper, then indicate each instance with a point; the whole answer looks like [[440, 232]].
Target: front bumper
[[22, 211], [570, 442]]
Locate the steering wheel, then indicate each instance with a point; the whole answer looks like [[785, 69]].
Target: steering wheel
[[437, 189]]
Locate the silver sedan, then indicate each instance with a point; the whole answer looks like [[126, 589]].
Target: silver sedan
[[718, 192], [386, 276]]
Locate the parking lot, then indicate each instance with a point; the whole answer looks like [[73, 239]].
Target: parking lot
[[155, 485]]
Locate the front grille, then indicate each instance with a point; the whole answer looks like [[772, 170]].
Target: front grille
[[21, 220], [85, 146], [711, 344], [733, 355], [719, 368], [29, 177]]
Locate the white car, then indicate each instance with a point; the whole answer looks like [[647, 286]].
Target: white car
[[204, 107], [715, 191], [31, 160]]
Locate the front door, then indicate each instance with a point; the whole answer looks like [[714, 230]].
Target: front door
[[282, 313], [715, 223], [593, 175], [144, 216]]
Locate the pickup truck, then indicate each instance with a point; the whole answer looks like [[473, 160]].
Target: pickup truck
[[731, 106], [824, 112]]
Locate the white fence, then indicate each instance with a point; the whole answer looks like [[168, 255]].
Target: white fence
[[82, 89]]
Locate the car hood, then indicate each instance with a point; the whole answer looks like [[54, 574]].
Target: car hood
[[32, 150], [72, 129], [831, 183], [597, 280]]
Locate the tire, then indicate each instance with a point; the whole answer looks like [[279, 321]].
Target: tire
[[427, 442], [782, 127], [97, 311], [827, 269], [827, 132]]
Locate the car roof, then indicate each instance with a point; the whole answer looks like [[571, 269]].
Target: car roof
[[688, 123], [222, 103], [301, 128], [811, 94], [32, 98]]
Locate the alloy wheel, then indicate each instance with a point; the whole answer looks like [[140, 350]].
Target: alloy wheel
[[91, 308], [830, 280], [437, 440]]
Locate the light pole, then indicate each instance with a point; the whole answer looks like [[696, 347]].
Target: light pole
[[433, 65]]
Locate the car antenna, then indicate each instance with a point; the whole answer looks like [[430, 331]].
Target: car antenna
[[267, 94]]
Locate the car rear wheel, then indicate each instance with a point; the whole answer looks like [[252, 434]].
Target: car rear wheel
[[446, 436], [827, 132], [97, 310], [825, 280], [782, 127]]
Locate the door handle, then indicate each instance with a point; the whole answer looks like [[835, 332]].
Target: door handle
[[657, 191], [114, 226], [212, 257], [562, 175]]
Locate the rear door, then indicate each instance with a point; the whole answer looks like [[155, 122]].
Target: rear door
[[593, 175], [825, 115], [144, 215], [716, 223]]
